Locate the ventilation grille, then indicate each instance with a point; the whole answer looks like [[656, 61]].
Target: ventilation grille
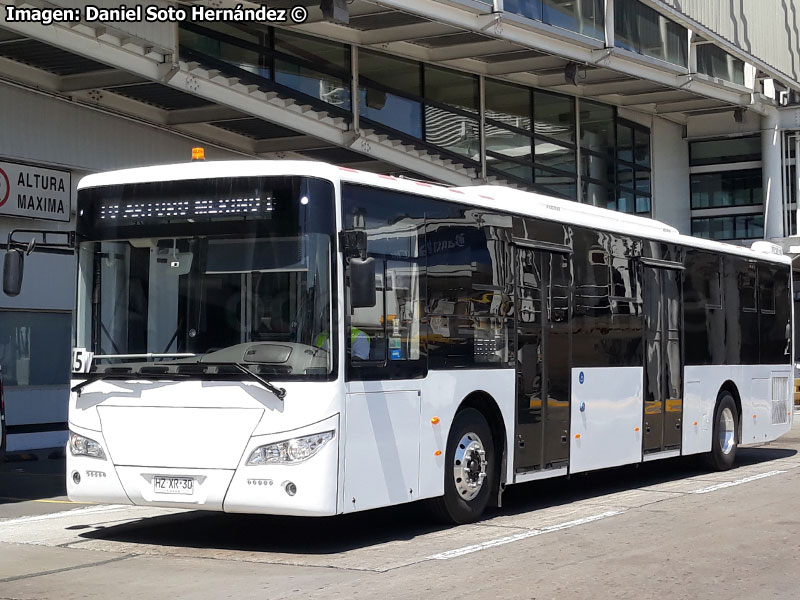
[[780, 400]]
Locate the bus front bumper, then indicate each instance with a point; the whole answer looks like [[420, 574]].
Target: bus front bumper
[[304, 488]]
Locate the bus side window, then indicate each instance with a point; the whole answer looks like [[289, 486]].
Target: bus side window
[[384, 341]]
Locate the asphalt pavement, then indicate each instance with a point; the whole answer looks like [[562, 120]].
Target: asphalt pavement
[[662, 530]]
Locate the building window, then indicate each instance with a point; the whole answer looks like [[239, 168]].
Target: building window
[[586, 17], [729, 188], [730, 227], [311, 67], [380, 76], [724, 151], [715, 62], [452, 104], [615, 161], [641, 29], [726, 186], [34, 347], [530, 136]]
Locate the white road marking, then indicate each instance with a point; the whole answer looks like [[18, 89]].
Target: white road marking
[[71, 513], [569, 524], [728, 484], [520, 536]]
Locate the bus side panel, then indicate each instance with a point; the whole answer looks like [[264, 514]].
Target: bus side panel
[[381, 448], [394, 429], [606, 411], [767, 405], [765, 393], [442, 394]]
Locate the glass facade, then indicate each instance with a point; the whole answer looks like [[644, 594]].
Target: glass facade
[[729, 227], [641, 29], [310, 66], [451, 109], [509, 131], [729, 188], [314, 68], [724, 151], [530, 135], [586, 17], [726, 174], [32, 347], [715, 62], [615, 161], [380, 79]]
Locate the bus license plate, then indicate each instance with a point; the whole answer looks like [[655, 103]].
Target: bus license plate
[[173, 485]]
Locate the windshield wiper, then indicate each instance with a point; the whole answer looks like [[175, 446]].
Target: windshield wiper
[[139, 373], [95, 377], [279, 392]]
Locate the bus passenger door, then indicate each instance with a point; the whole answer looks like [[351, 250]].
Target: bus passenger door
[[542, 365], [663, 375]]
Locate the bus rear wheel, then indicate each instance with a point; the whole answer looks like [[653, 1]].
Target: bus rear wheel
[[469, 469], [724, 435]]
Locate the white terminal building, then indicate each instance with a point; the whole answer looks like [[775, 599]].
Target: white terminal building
[[685, 111]]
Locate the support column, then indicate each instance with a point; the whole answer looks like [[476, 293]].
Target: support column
[[796, 184], [354, 103], [772, 173], [691, 59], [609, 23], [482, 124]]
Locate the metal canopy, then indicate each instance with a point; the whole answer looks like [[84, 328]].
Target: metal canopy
[[97, 67], [467, 35], [36, 64]]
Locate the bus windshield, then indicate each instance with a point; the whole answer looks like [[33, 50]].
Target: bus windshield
[[218, 271]]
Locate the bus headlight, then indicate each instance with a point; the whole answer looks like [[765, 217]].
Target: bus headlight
[[290, 451], [83, 446]]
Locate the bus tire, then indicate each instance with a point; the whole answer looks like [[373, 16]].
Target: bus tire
[[724, 434], [469, 469]]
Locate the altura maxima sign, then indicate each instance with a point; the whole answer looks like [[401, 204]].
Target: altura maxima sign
[[34, 192]]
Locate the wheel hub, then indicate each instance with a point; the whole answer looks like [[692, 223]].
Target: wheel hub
[[727, 435], [469, 466]]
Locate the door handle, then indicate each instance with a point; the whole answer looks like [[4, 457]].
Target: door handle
[[678, 424]]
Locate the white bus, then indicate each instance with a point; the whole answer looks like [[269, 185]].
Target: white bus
[[297, 338]]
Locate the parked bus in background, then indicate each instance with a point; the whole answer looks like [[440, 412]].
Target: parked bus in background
[[296, 338]]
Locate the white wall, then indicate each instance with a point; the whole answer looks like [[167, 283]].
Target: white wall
[[670, 164], [722, 124], [39, 129], [45, 131]]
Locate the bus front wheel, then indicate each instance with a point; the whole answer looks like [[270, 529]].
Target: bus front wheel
[[724, 435], [469, 469]]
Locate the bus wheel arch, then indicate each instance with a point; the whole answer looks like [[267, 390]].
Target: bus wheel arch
[[484, 403], [474, 458]]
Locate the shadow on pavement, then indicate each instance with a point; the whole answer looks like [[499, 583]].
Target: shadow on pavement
[[33, 475], [331, 535], [264, 533]]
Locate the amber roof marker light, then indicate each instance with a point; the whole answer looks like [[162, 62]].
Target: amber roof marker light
[[198, 154]]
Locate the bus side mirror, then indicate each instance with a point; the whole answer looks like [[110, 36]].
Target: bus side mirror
[[13, 264], [362, 282]]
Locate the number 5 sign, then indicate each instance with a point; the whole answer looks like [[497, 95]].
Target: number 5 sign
[[81, 360]]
